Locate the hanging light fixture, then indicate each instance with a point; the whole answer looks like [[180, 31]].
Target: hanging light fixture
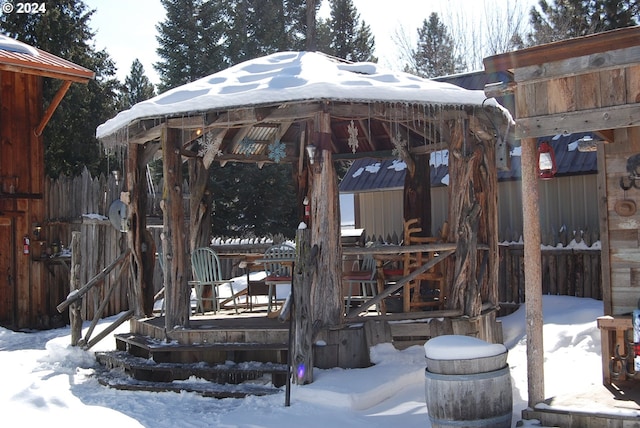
[[546, 161]]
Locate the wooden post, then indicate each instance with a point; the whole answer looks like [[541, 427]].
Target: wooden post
[[75, 316], [532, 274], [138, 238], [177, 291], [465, 161], [326, 294], [302, 355], [199, 204]]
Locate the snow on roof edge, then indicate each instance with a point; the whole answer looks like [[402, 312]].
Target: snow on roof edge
[[296, 77]]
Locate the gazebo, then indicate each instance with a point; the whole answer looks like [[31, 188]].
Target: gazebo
[[310, 110]]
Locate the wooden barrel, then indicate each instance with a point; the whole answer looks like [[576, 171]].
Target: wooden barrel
[[469, 399]]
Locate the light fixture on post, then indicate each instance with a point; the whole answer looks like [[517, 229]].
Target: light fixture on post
[[314, 160], [546, 161], [116, 176]]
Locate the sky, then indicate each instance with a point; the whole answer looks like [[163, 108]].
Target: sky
[[127, 29], [46, 381]]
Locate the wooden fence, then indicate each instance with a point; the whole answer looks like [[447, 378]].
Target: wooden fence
[[566, 271]]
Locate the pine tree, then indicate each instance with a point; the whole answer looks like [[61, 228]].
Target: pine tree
[[69, 137], [341, 36], [574, 18], [137, 87], [434, 55], [189, 40]]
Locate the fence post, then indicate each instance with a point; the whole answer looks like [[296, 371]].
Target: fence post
[[75, 315]]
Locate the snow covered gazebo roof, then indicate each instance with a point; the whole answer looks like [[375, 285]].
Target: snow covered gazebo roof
[[249, 106]]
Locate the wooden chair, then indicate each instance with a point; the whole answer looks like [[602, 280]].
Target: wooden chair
[[427, 289], [278, 267], [363, 277], [206, 271]]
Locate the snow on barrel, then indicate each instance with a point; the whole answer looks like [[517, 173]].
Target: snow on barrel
[[467, 383]]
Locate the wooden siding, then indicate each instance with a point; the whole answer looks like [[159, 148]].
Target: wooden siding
[[24, 296], [623, 250]]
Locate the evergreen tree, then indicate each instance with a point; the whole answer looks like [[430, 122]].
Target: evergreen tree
[[137, 87], [343, 34], [69, 137], [566, 19], [261, 27], [434, 55], [190, 41]]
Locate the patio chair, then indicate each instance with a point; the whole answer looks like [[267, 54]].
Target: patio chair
[[363, 278], [206, 271], [278, 267], [427, 289]]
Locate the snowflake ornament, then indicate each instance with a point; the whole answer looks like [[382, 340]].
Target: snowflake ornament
[[210, 148], [353, 137], [246, 146], [277, 151]]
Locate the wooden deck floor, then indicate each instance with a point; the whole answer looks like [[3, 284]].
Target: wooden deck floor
[[616, 405]]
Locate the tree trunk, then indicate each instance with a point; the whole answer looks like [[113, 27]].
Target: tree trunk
[[325, 232], [177, 291]]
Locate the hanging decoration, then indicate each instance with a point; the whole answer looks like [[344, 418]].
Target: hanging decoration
[[277, 151], [353, 136], [399, 147], [246, 146], [546, 161], [209, 148]]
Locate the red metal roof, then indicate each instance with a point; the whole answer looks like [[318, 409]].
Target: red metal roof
[[22, 58]]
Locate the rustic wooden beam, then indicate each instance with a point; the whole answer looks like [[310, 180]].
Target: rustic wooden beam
[[611, 117], [75, 316], [52, 107], [557, 51]]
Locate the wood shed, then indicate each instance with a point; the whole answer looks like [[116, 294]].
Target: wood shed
[[590, 83], [26, 301]]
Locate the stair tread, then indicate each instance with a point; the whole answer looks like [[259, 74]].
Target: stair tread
[[152, 344], [128, 361], [118, 380]]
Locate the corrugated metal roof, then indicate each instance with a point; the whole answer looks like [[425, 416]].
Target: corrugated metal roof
[[20, 57], [370, 175]]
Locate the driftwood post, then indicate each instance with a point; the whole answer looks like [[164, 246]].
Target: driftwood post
[[75, 316], [176, 289], [465, 163], [302, 358]]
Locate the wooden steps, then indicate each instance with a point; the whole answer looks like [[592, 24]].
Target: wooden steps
[[144, 363]]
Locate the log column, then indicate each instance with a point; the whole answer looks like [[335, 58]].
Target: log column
[[326, 294], [532, 272], [177, 291]]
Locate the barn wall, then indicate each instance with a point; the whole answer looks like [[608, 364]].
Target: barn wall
[[23, 294]]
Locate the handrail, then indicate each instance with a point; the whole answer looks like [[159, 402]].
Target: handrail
[[77, 294], [395, 287]]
